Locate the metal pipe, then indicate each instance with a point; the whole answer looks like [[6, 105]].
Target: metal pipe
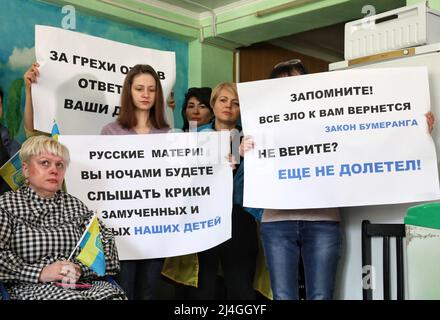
[[197, 27], [145, 13], [214, 24], [237, 66], [214, 17]]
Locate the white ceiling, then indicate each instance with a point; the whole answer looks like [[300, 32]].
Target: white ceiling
[[326, 43], [331, 47]]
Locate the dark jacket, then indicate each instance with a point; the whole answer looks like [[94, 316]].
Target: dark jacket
[[10, 145], [4, 157]]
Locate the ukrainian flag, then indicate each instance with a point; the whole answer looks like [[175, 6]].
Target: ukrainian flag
[[92, 254], [11, 172], [55, 132]]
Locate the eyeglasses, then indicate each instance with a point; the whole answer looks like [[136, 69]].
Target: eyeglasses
[[287, 63]]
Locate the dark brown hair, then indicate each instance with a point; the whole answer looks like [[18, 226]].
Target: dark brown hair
[[287, 67], [203, 95], [127, 117]]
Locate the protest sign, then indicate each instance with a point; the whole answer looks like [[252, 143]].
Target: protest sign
[[346, 138], [81, 78], [162, 194]]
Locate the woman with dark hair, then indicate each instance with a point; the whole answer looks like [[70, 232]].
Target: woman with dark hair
[[289, 235], [293, 67], [142, 112], [196, 108], [313, 235]]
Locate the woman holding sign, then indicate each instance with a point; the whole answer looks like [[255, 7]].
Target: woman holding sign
[[40, 226], [288, 235], [237, 256], [311, 234], [142, 112], [30, 77]]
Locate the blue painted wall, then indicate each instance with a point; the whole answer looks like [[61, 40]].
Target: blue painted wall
[[17, 34]]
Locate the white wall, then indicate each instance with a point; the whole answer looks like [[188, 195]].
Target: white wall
[[349, 277]]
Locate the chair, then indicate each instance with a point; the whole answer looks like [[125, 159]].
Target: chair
[[112, 281], [386, 231]]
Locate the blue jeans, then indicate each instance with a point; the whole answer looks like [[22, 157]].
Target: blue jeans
[[319, 244]]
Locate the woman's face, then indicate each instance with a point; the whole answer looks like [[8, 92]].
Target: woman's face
[[198, 112], [226, 107], [143, 91], [45, 174]]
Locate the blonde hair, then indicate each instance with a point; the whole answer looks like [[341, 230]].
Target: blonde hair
[[38, 145], [230, 86]]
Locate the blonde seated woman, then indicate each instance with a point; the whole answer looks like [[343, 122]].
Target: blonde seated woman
[[40, 226]]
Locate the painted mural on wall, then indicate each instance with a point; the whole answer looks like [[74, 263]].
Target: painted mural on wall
[[18, 18]]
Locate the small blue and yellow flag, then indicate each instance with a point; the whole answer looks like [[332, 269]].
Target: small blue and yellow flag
[[55, 132], [11, 172], [92, 253]]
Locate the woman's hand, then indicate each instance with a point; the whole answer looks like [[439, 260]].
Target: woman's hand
[[232, 161], [246, 144], [30, 76], [430, 121], [64, 271], [171, 103]]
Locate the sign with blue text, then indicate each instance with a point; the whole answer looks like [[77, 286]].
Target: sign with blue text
[[336, 139], [162, 194]]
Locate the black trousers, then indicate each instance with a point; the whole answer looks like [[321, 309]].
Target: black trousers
[[237, 258], [140, 278]]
